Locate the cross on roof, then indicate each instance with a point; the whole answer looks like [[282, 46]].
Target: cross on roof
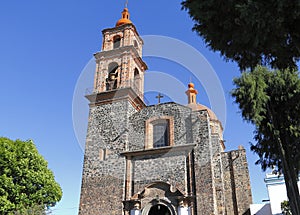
[[159, 96], [126, 4]]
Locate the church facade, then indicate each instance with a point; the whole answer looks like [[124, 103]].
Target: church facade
[[164, 159]]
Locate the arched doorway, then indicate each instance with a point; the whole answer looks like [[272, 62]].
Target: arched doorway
[[159, 210]]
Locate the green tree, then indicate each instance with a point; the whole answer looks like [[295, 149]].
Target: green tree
[[270, 101], [250, 32], [285, 208], [26, 183], [33, 210]]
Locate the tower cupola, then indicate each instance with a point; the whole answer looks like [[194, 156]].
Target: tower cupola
[[125, 18]]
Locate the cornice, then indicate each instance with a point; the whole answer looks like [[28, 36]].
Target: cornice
[[119, 52], [161, 150]]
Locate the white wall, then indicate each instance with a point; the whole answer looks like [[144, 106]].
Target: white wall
[[277, 191]]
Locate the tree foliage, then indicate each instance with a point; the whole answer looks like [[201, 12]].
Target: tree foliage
[[285, 208], [250, 32], [33, 210], [270, 101], [25, 180]]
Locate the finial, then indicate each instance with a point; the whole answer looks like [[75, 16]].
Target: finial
[[191, 84], [125, 16]]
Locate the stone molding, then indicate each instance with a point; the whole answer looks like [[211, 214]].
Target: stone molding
[[129, 94], [161, 150], [119, 53]]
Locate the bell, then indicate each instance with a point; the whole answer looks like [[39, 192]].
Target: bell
[[112, 76]]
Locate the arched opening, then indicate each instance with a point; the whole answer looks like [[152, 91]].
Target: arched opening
[[111, 80], [159, 210], [117, 41], [112, 67], [137, 81], [135, 44], [136, 73]]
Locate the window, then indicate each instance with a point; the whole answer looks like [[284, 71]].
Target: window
[[159, 132], [117, 42]]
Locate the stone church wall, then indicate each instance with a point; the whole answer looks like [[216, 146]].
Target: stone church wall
[[153, 168], [169, 167], [219, 180], [182, 124], [218, 183], [189, 127], [202, 164], [236, 182], [103, 172]]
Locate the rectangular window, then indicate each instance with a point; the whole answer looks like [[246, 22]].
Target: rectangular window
[[160, 134]]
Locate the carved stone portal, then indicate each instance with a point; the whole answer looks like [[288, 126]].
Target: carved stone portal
[[158, 198]]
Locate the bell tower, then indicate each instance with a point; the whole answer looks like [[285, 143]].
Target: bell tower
[[119, 64], [117, 94]]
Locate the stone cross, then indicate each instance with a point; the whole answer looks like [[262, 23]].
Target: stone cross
[[159, 96]]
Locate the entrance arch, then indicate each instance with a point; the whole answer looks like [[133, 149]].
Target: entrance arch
[[159, 209]]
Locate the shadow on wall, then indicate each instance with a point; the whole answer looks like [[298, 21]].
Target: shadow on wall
[[260, 209], [248, 212]]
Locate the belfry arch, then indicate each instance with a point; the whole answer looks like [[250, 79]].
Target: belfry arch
[[137, 80], [117, 41], [112, 77]]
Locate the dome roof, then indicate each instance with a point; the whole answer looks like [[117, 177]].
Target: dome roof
[[125, 18], [191, 93], [197, 107]]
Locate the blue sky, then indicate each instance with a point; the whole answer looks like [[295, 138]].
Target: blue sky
[[44, 47]]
